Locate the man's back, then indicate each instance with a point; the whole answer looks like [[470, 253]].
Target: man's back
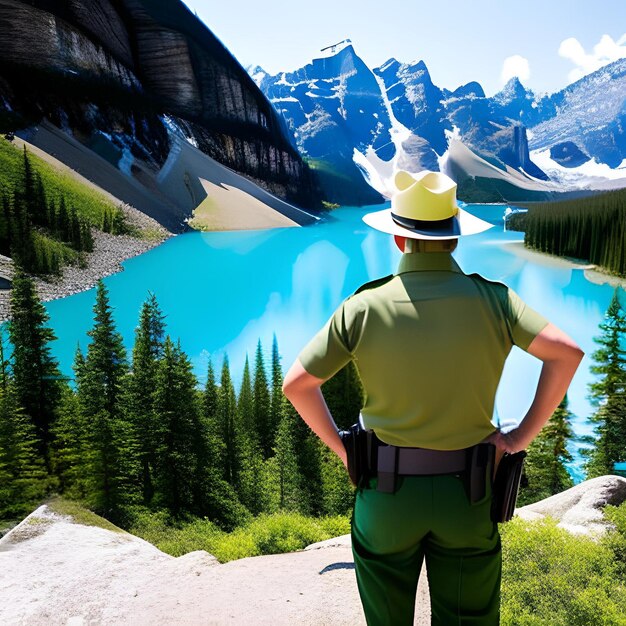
[[430, 344]]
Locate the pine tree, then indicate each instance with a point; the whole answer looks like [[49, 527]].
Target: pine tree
[[69, 451], [35, 372], [344, 396], [287, 487], [28, 189], [277, 398], [23, 477], [227, 426], [22, 244], [139, 397], [177, 430], [245, 404], [262, 403], [99, 396], [544, 467], [213, 496], [210, 393], [608, 393], [251, 486]]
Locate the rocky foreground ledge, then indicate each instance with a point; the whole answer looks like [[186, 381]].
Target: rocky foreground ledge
[[56, 571]]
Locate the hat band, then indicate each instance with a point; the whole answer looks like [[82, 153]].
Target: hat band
[[418, 225]]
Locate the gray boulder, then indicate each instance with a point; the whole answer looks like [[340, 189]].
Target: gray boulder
[[580, 509]]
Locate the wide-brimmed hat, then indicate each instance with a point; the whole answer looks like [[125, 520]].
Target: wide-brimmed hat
[[423, 206]]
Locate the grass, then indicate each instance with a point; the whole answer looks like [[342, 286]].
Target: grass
[[266, 534], [80, 514], [87, 201]]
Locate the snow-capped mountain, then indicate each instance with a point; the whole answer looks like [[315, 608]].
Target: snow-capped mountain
[[341, 111], [590, 114]]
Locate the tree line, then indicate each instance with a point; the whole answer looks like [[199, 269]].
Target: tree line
[[545, 467], [140, 432], [42, 233], [591, 228], [137, 430]]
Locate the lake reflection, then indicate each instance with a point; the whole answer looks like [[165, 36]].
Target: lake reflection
[[221, 292]]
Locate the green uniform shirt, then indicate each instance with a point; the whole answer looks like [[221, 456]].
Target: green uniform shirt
[[430, 344]]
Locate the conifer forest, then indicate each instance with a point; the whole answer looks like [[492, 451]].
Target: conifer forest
[[591, 228], [136, 430]]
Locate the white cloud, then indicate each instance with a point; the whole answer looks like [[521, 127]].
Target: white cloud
[[515, 65], [605, 51]]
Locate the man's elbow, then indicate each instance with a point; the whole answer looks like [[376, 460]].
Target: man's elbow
[[553, 345], [287, 388], [578, 354], [299, 380]]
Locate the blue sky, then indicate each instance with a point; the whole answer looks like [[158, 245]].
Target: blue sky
[[459, 40]]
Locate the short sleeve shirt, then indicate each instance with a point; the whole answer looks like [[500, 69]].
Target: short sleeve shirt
[[430, 343]]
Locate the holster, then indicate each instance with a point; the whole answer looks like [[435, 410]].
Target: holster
[[361, 449], [506, 486]]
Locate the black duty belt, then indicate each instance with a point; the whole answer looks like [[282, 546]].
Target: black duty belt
[[369, 457]]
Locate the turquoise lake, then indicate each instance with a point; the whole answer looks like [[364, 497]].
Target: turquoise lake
[[223, 291]]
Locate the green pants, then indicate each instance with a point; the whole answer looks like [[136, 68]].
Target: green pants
[[427, 517]]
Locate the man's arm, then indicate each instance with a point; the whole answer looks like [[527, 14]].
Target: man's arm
[[304, 392], [561, 357]]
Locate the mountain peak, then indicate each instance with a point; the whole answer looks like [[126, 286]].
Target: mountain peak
[[512, 91], [472, 88], [389, 63], [418, 66], [344, 46]]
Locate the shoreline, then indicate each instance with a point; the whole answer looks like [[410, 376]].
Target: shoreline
[[109, 252], [593, 273]]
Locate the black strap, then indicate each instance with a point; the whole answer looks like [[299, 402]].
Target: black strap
[[406, 222]]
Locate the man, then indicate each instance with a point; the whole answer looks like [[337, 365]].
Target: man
[[430, 344]]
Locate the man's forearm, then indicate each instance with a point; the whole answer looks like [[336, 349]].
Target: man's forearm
[[561, 357], [551, 388], [304, 393]]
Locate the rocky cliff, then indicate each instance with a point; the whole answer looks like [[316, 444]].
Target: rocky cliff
[[122, 76]]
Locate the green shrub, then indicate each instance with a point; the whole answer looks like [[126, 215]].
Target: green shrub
[[265, 534], [553, 577], [616, 539]]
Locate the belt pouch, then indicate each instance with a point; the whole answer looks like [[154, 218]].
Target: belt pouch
[[506, 486], [387, 468], [480, 460]]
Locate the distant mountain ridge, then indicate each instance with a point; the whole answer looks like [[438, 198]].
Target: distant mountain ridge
[[339, 109]]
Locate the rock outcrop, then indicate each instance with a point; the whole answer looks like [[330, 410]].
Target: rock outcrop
[[579, 509], [54, 570]]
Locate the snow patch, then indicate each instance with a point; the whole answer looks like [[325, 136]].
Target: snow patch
[[378, 173], [589, 175]]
